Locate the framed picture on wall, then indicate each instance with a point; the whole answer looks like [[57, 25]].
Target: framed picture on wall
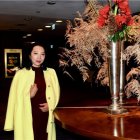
[[13, 61]]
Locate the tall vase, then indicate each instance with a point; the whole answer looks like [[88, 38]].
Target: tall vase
[[114, 78]]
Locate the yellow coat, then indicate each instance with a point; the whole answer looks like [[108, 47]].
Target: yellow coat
[[19, 115]]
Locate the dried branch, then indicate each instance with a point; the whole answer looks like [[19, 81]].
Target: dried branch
[[133, 87], [88, 43], [132, 51], [102, 75], [133, 73]]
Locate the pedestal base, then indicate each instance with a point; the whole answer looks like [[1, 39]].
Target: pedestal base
[[121, 99], [116, 111]]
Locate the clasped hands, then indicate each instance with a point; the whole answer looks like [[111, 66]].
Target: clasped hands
[[33, 90]]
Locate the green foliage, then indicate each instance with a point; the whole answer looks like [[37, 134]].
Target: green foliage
[[120, 35]]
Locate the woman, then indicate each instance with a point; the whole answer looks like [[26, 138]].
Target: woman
[[34, 94]]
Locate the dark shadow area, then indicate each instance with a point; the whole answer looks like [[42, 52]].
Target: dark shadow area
[[63, 134], [6, 135]]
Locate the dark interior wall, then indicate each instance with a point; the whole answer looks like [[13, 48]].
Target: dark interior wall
[[8, 40], [14, 40]]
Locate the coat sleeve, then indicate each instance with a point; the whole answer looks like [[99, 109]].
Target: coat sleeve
[[9, 121], [57, 88]]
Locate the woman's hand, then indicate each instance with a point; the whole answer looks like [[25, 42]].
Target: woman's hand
[[44, 107], [33, 90]]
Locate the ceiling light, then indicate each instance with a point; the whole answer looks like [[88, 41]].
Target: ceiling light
[[51, 46], [40, 29], [32, 42], [29, 35], [47, 26], [59, 21]]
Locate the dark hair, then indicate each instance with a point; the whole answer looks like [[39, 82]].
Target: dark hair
[[27, 63]]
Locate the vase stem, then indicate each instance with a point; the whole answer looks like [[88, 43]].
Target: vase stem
[[122, 74]]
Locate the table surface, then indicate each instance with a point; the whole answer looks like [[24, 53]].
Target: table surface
[[94, 122]]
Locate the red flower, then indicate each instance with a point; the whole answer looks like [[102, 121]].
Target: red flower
[[120, 20], [104, 11], [101, 22], [123, 5], [128, 12]]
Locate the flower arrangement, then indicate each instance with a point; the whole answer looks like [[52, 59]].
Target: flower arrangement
[[88, 38], [119, 15]]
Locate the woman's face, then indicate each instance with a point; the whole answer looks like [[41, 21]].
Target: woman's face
[[37, 56]]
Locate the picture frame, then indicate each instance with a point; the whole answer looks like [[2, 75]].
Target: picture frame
[[13, 61]]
